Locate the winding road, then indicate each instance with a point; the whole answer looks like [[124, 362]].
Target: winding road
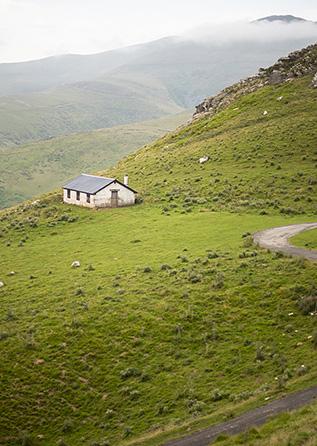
[[276, 239], [254, 417]]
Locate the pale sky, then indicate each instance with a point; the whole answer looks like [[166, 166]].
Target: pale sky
[[32, 29]]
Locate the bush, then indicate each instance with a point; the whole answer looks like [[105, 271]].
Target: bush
[[68, 426], [147, 269], [308, 304], [130, 372], [218, 395]]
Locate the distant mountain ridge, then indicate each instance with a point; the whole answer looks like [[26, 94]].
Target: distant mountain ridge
[[282, 18], [72, 93]]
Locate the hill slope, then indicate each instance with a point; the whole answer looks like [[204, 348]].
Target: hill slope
[[264, 163], [173, 315], [27, 171]]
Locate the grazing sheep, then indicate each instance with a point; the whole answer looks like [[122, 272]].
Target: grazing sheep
[[203, 159], [76, 264], [265, 112]]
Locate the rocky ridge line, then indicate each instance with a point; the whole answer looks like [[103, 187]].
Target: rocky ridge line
[[297, 64]]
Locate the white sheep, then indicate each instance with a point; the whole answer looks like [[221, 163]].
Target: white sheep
[[203, 159]]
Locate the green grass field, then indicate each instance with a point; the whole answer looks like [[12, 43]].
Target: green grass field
[[33, 169], [307, 239], [85, 351], [174, 320]]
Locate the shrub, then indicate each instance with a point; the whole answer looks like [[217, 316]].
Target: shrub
[[165, 267], [147, 269], [130, 372], [218, 395], [219, 281], [212, 255], [68, 426], [3, 335], [260, 355], [308, 304]]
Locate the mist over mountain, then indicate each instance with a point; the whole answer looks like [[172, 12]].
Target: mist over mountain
[[61, 95]]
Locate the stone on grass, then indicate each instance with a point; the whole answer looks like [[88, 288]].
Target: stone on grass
[[76, 264], [1, 284], [314, 82], [265, 113]]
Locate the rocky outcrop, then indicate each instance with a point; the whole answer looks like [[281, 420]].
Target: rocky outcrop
[[296, 64]]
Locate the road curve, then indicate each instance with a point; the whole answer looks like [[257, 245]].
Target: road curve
[[276, 239], [254, 417]]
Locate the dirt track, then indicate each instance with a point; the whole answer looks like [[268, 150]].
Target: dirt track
[[254, 417], [276, 239]]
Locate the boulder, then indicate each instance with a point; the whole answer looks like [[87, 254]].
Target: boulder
[[1, 284], [314, 82], [76, 264], [276, 77]]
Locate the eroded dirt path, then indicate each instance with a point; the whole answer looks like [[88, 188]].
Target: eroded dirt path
[[254, 417], [276, 239]]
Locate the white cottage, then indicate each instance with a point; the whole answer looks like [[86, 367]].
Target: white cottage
[[98, 192]]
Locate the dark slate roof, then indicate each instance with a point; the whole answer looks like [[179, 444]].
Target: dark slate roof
[[89, 184]]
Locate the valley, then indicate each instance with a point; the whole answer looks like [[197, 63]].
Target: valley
[[174, 320]]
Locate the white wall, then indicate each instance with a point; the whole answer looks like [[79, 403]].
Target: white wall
[[102, 198], [81, 202], [125, 196]]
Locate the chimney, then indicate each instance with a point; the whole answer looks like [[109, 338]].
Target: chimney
[[126, 180]]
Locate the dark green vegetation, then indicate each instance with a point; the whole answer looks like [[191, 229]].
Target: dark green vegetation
[[306, 239], [35, 168], [61, 95], [173, 314], [261, 163], [291, 429]]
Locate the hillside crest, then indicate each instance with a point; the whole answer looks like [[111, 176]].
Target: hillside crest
[[296, 64]]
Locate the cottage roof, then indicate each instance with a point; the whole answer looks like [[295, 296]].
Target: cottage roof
[[89, 184]]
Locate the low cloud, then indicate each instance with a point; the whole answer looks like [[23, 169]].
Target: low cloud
[[265, 32]]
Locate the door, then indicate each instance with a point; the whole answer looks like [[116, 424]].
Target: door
[[114, 198]]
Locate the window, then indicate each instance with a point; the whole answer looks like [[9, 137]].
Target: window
[[77, 196], [88, 198], [68, 193]]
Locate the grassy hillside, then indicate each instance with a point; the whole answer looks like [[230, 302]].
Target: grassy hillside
[[298, 428], [264, 164], [306, 239], [174, 319], [79, 108], [28, 170]]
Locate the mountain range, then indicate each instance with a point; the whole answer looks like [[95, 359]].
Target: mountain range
[[77, 93]]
